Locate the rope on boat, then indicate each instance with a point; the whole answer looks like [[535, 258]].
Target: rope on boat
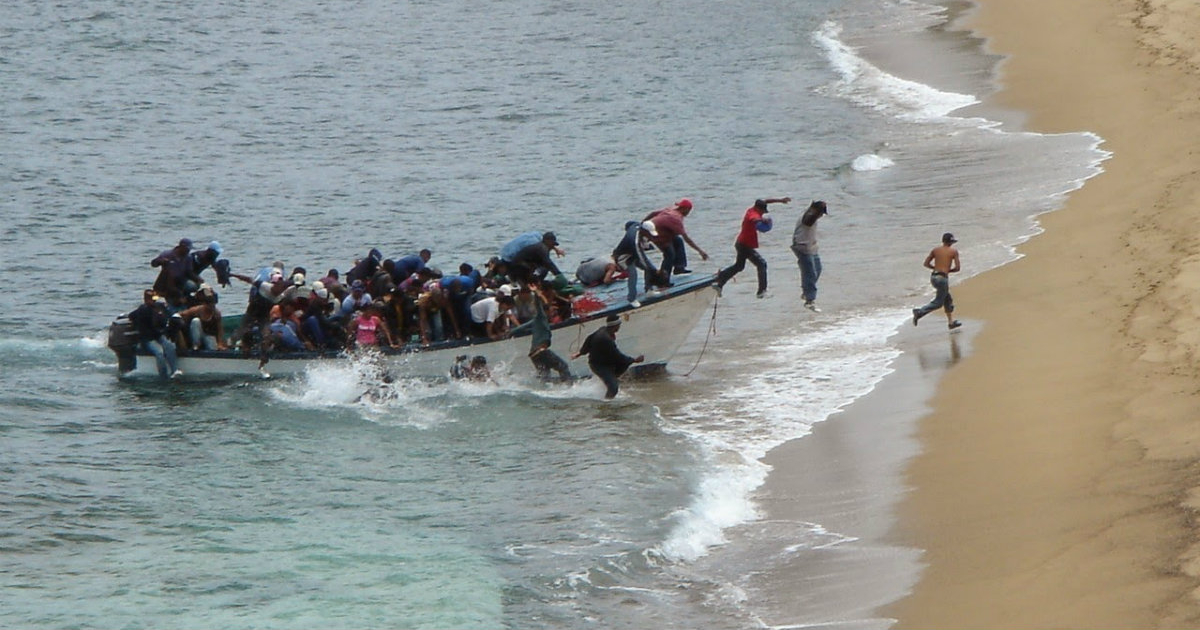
[[712, 330]]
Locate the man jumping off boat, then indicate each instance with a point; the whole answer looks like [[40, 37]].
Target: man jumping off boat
[[943, 260], [754, 221]]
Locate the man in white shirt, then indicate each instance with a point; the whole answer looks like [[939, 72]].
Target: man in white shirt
[[492, 316], [804, 245]]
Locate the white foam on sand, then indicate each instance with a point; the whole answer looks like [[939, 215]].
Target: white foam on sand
[[815, 373], [863, 83]]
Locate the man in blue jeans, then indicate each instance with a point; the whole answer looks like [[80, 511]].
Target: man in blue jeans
[[943, 260], [151, 321], [804, 246], [630, 256], [672, 236]]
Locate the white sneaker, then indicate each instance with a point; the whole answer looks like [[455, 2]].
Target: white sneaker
[[177, 374], [812, 306], [635, 303]]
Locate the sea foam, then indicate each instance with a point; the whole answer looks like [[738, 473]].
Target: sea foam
[[871, 162], [865, 84], [737, 428]]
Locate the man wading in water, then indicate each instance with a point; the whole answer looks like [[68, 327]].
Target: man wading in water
[[605, 359], [943, 260]]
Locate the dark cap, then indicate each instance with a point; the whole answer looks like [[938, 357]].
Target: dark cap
[[185, 242], [948, 238], [820, 205], [358, 285], [612, 321], [550, 238]]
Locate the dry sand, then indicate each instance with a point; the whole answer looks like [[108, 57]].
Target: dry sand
[[1060, 469]]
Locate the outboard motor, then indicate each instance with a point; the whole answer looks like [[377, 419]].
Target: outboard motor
[[122, 339]]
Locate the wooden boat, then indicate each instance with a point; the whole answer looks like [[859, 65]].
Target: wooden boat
[[656, 329]]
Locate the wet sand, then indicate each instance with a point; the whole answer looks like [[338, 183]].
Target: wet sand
[[1060, 469]]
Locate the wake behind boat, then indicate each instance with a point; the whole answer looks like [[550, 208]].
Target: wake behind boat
[[656, 329]]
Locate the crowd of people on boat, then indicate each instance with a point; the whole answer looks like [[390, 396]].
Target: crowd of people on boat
[[391, 302], [377, 302]]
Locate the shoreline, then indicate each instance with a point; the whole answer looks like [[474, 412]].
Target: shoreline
[[845, 475], [1057, 479], [1051, 476]]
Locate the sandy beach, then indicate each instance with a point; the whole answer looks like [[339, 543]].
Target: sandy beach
[[1057, 469], [1060, 468]]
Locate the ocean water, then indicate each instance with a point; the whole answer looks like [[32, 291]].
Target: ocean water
[[309, 132]]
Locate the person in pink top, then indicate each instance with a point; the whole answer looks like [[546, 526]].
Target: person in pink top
[[668, 222], [756, 220], [367, 327]]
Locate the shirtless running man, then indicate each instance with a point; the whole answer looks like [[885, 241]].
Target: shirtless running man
[[943, 260]]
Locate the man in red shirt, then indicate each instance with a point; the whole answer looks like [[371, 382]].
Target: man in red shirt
[[756, 220], [668, 222]]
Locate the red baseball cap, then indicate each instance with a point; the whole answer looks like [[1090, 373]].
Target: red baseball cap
[[684, 204]]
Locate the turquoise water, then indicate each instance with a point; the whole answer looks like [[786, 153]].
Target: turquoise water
[[310, 132]]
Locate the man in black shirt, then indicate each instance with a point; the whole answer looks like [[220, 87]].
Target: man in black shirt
[[151, 322], [604, 358]]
